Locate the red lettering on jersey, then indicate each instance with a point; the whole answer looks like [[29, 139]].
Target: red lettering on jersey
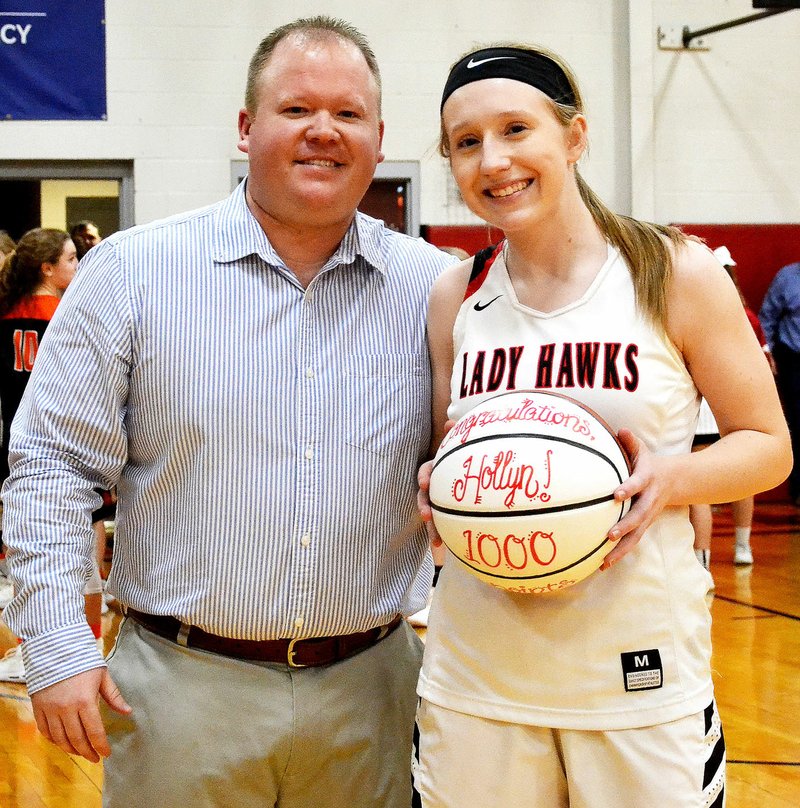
[[565, 377], [26, 346], [476, 387], [18, 350], [632, 379], [610, 374], [544, 373], [463, 388], [515, 354], [577, 364], [502, 371], [496, 371], [586, 362]]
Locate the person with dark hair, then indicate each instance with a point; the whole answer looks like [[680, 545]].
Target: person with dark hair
[[85, 234], [7, 245], [600, 693], [33, 279], [253, 377]]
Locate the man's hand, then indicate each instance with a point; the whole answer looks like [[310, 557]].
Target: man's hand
[[68, 715], [424, 502]]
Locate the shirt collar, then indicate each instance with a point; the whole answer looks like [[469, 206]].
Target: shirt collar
[[239, 235]]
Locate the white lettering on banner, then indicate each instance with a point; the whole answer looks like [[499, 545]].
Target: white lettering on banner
[[9, 31]]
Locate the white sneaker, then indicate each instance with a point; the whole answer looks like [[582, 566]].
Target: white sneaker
[[11, 666], [6, 591], [742, 554]]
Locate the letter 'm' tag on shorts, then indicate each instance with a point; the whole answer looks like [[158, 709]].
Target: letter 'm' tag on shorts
[[642, 670]]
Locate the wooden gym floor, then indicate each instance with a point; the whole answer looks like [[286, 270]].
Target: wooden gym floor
[[756, 613]]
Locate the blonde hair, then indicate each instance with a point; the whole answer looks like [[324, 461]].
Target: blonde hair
[[645, 246]]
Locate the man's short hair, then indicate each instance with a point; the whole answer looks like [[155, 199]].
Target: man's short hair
[[318, 28], [80, 226]]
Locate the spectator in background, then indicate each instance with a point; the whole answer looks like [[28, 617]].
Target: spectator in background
[[707, 432], [33, 278], [6, 245], [85, 234], [780, 319]]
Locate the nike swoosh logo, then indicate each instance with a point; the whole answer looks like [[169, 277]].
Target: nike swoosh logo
[[472, 63], [481, 306]]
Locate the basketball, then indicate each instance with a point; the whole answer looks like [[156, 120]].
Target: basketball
[[522, 491]]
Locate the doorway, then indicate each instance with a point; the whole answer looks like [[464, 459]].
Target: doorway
[[58, 193]]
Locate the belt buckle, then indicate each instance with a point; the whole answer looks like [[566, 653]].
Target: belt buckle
[[290, 652]]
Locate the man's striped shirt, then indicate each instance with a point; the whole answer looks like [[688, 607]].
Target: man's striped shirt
[[264, 438]]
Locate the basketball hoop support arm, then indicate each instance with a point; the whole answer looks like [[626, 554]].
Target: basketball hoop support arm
[[674, 38]]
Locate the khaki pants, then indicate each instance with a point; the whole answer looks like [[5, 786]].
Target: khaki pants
[[208, 730]]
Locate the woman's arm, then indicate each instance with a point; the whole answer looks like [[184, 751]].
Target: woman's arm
[[708, 325]]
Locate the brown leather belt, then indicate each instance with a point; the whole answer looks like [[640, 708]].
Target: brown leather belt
[[303, 652]]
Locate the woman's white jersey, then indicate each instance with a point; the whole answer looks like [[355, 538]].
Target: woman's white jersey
[[629, 646]]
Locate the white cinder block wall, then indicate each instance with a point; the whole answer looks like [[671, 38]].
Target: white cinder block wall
[[695, 136]]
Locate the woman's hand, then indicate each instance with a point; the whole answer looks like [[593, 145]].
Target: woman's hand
[[650, 488]]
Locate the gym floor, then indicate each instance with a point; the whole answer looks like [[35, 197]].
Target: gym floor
[[756, 634]]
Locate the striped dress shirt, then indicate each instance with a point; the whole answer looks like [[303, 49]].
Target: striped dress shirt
[[264, 438]]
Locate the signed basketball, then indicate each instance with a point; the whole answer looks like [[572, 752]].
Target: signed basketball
[[522, 491]]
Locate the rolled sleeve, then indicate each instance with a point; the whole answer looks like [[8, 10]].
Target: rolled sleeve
[[57, 655]]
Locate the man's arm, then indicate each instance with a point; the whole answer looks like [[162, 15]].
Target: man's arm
[[67, 439]]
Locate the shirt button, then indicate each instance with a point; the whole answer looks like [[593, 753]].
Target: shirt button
[[298, 622], [309, 453], [305, 540], [309, 372]]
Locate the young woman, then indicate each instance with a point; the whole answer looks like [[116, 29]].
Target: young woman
[[33, 278], [599, 694]]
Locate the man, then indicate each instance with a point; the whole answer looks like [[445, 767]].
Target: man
[[254, 378], [85, 235], [780, 320]]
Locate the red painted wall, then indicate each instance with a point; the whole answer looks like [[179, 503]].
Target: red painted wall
[[471, 238], [759, 250]]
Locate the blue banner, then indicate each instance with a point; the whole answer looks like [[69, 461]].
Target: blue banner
[[52, 60]]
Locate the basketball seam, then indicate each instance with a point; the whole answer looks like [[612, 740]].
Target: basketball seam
[[570, 506]]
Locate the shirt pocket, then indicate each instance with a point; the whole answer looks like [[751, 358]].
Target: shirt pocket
[[389, 398]]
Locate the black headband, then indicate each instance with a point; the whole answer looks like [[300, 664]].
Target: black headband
[[532, 68]]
